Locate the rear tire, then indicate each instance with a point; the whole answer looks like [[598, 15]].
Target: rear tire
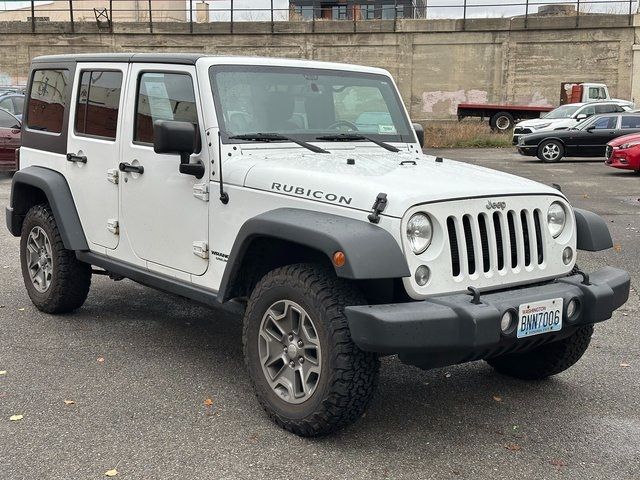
[[323, 381], [502, 122], [56, 281], [551, 151], [546, 360]]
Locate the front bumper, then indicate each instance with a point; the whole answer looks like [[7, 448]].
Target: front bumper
[[528, 150], [450, 329]]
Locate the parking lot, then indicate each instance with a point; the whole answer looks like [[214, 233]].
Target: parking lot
[[156, 388]]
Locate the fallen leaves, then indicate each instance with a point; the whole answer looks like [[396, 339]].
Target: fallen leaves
[[100, 360], [617, 247], [16, 418], [21, 309], [558, 463], [208, 402], [497, 398], [69, 402], [514, 447], [625, 365], [111, 473]]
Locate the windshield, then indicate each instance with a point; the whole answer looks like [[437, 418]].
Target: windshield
[[307, 103], [564, 111]]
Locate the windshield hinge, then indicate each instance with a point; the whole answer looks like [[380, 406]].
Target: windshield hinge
[[378, 207]]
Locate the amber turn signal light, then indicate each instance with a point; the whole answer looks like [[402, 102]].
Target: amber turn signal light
[[339, 259]]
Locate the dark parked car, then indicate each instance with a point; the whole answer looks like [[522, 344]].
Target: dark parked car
[[587, 139], [10, 128], [12, 103]]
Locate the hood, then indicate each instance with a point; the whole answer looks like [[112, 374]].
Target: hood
[[540, 121], [354, 179], [616, 142]]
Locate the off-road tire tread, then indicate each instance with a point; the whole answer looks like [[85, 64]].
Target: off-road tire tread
[[547, 360], [72, 278], [354, 373]]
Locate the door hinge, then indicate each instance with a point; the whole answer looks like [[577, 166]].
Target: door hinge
[[113, 176], [113, 226], [201, 249], [201, 191]]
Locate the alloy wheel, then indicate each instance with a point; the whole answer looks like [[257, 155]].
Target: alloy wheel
[[39, 259], [289, 351]]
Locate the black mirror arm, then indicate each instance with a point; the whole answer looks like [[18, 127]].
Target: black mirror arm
[[195, 169]]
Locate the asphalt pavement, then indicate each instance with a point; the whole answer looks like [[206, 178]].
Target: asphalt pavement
[[155, 385]]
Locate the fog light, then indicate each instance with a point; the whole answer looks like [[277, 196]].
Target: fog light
[[572, 308], [423, 274], [567, 255], [506, 323]]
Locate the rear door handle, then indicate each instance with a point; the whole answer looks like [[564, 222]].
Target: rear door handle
[[127, 167], [72, 157]]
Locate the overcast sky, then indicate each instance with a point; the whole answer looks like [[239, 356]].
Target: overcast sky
[[436, 9]]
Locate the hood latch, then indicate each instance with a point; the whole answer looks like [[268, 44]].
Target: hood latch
[[378, 207]]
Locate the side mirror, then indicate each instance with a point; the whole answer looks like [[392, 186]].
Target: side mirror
[[581, 116], [419, 129], [591, 128], [179, 138]]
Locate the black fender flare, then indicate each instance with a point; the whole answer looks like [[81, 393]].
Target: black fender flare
[[592, 231], [371, 251], [56, 190]]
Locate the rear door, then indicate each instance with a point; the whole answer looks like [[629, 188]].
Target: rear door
[[629, 124], [93, 150]]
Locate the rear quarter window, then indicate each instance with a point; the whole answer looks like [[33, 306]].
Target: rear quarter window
[[47, 100]]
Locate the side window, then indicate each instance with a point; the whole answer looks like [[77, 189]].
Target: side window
[[7, 104], [97, 104], [163, 96], [47, 101], [630, 121], [605, 123], [18, 103], [7, 120], [606, 108], [589, 110]]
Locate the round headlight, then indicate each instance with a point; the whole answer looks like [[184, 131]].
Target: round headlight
[[556, 218], [419, 232]]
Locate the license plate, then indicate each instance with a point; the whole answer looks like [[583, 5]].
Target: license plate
[[539, 317]]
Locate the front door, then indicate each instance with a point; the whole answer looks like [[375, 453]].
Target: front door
[[8, 124], [165, 223], [594, 140], [95, 128]]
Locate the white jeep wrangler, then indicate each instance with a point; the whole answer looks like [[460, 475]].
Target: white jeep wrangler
[[298, 190]]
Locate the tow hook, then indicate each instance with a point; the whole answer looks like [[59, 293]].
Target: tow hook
[[378, 207]]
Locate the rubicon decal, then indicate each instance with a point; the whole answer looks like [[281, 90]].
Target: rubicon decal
[[310, 193]]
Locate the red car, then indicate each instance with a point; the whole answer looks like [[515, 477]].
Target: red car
[[10, 128], [624, 152]]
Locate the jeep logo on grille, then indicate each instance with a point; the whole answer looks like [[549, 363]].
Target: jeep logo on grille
[[496, 205]]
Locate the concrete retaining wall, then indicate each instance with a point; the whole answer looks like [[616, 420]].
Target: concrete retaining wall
[[437, 64]]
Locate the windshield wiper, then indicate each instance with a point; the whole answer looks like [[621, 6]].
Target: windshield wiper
[[277, 137], [348, 137]]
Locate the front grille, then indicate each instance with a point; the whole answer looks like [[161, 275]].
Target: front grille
[[487, 242], [522, 130]]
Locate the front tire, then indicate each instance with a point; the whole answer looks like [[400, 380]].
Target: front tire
[[551, 151], [55, 280], [307, 373], [547, 360]]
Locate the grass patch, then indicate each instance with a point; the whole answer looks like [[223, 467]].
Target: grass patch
[[465, 134]]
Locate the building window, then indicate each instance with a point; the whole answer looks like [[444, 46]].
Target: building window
[[163, 96], [47, 100], [339, 12], [98, 103], [305, 12], [368, 12]]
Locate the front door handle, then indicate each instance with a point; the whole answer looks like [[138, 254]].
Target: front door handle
[[127, 167], [72, 157]]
